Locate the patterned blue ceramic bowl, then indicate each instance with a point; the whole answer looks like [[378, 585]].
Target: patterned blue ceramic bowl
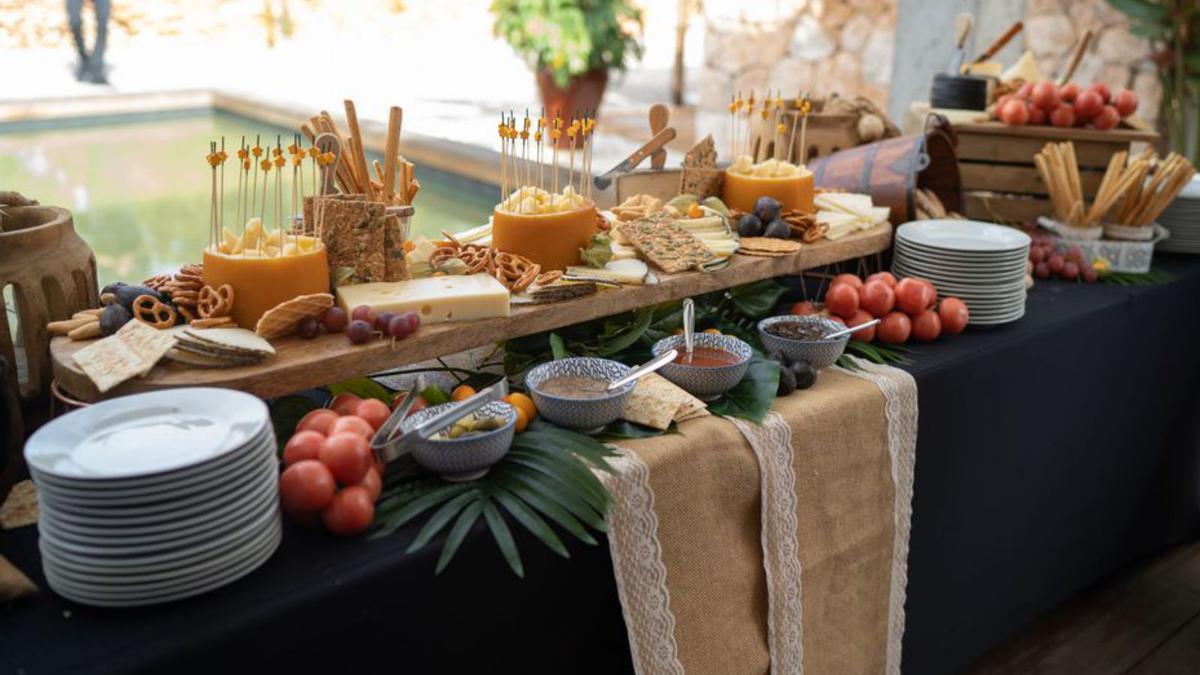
[[579, 413], [465, 457], [706, 382], [819, 353]]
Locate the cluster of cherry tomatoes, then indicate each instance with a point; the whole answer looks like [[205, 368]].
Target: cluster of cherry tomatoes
[[331, 476], [908, 308], [1066, 106]]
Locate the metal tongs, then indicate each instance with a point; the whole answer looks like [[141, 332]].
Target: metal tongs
[[389, 443]]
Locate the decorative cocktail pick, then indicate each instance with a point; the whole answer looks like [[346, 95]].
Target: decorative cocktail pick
[[555, 134], [214, 159], [762, 136], [256, 152], [243, 167], [537, 137], [572, 133], [779, 126], [526, 123], [502, 130], [804, 109], [221, 201], [280, 161], [749, 120]]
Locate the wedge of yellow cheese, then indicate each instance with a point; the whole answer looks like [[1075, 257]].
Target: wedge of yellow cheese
[[434, 299]]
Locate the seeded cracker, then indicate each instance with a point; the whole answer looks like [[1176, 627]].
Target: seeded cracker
[[131, 351], [768, 246], [700, 176], [667, 245]]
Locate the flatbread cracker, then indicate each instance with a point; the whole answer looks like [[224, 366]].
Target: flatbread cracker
[[130, 352], [700, 175], [208, 359], [655, 402], [768, 246], [229, 339], [670, 247], [20, 507]]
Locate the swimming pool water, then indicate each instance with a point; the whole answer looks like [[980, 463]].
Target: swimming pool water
[[140, 190]]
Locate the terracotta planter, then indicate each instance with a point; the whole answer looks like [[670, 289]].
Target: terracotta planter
[[582, 95]]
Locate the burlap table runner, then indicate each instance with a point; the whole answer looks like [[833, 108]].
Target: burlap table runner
[[740, 548]]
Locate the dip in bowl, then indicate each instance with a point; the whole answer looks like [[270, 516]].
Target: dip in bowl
[[469, 455], [572, 392], [801, 338], [717, 364]]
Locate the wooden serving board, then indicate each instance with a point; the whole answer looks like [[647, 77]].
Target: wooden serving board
[[304, 364]]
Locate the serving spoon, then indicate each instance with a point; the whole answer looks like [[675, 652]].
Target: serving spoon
[[689, 328], [644, 369], [851, 329]]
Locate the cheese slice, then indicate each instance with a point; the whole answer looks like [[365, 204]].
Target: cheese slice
[[840, 224], [1024, 69], [434, 299], [986, 69], [623, 252]]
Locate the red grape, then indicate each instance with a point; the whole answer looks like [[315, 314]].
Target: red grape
[[309, 328], [382, 319], [397, 327], [334, 319], [363, 313], [1056, 263], [1042, 270], [1075, 255], [359, 331], [1070, 271], [1089, 274], [1037, 254], [412, 321]]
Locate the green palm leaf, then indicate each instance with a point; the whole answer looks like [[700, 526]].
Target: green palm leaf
[[441, 518], [564, 497], [394, 516], [566, 470], [503, 537], [457, 533], [532, 521], [548, 508]]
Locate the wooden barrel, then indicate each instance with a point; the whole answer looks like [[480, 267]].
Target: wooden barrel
[[890, 170]]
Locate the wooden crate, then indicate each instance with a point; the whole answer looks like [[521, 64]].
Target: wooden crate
[[999, 179]]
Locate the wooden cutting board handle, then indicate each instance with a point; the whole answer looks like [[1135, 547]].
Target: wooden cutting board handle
[[660, 116]]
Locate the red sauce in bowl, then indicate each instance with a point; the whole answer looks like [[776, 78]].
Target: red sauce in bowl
[[706, 357]]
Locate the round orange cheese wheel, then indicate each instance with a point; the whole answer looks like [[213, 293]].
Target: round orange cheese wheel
[[261, 283], [794, 192], [551, 240]]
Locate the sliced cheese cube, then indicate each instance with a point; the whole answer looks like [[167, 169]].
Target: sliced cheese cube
[[1024, 69], [434, 299]]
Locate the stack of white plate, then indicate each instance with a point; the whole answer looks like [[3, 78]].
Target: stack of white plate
[[155, 497], [1182, 218], [981, 263]]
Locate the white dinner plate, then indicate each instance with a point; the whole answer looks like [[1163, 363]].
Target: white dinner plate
[[146, 434], [963, 235], [133, 501], [962, 257]]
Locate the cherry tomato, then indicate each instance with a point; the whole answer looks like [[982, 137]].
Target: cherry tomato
[[914, 296], [373, 483], [878, 298], [885, 277], [1045, 96], [1063, 115], [1126, 102], [344, 404], [1036, 115], [319, 420], [842, 300], [953, 312], [305, 487], [1101, 90], [353, 424], [866, 334], [1088, 104], [1107, 119], [1014, 113], [803, 308], [851, 279], [926, 326], [302, 445], [347, 455], [895, 328], [374, 411], [1068, 91], [1025, 91], [349, 512]]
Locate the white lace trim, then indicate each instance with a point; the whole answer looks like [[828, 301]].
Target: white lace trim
[[638, 567], [772, 444], [900, 406]]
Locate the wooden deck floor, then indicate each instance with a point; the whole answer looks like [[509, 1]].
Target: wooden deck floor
[[1142, 622]]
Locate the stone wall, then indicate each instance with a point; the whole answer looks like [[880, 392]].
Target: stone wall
[[1115, 56], [824, 46]]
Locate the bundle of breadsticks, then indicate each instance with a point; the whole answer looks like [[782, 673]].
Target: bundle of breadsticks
[[1147, 199], [1137, 201], [393, 181]]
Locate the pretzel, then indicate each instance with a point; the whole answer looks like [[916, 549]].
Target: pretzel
[[156, 282], [441, 254], [814, 233], [186, 312], [196, 269], [477, 258], [547, 278], [212, 322], [514, 271], [152, 312], [213, 303]]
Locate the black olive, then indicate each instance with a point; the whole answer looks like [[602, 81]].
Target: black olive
[[804, 374], [787, 382]]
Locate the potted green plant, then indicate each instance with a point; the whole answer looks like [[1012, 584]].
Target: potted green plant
[[571, 45]]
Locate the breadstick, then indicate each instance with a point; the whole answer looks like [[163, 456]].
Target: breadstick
[[65, 326], [87, 331]]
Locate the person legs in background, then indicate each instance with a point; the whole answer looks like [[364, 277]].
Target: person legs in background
[[91, 67], [75, 20], [96, 64]]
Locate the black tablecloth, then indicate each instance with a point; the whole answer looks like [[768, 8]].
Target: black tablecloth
[[1051, 452]]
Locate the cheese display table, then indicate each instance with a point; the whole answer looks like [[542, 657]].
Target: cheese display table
[[301, 364]]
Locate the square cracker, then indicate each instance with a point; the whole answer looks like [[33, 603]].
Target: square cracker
[[656, 402], [700, 175], [130, 352], [667, 245]]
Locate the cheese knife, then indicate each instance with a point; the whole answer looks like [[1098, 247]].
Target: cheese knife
[[653, 145]]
